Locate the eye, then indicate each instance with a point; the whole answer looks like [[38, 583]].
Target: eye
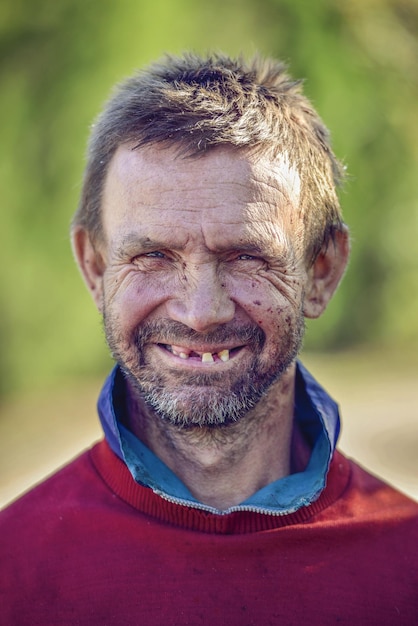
[[249, 262], [156, 254], [151, 260]]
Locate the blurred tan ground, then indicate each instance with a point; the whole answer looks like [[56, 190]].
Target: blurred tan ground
[[377, 393]]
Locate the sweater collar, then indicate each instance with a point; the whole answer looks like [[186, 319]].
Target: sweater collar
[[315, 412]]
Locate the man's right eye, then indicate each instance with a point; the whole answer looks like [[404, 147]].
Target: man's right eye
[[153, 259], [156, 254]]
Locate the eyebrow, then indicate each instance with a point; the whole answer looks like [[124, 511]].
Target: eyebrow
[[133, 240], [143, 243]]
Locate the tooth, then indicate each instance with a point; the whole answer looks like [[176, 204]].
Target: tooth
[[224, 355], [183, 355], [207, 357]]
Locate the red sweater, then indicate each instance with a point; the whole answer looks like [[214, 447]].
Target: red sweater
[[91, 547]]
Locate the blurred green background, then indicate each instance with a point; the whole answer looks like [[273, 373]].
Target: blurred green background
[[58, 62]]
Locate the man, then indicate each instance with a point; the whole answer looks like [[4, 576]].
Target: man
[[208, 229]]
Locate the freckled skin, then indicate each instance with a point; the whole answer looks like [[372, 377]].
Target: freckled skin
[[211, 246]]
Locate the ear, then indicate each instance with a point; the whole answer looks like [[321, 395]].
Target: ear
[[90, 262], [325, 274]]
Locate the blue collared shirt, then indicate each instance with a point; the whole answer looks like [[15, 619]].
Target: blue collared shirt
[[317, 416]]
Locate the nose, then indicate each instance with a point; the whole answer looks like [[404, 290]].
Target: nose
[[204, 302]]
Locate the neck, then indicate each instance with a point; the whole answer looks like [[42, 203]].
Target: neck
[[224, 466]]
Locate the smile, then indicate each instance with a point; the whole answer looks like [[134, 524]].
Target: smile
[[204, 357]]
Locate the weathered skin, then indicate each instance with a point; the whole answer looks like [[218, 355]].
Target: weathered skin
[[213, 244]]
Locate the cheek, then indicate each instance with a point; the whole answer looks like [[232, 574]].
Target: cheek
[[262, 302], [134, 298]]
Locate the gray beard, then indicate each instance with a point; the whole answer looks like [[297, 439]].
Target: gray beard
[[210, 400], [198, 404]]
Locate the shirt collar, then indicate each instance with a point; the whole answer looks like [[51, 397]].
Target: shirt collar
[[317, 416]]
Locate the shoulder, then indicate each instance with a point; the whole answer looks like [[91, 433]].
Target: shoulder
[[371, 505], [66, 489]]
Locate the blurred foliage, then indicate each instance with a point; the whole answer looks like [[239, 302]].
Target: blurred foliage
[[58, 62]]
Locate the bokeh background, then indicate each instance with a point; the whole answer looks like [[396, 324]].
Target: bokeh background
[[58, 62]]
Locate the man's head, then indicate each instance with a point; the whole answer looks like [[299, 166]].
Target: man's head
[[204, 233], [196, 104]]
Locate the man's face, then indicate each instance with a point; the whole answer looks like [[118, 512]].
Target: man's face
[[204, 278]]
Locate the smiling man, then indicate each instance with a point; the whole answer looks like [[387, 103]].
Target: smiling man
[[209, 228]]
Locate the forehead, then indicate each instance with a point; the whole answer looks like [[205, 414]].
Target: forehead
[[154, 191]]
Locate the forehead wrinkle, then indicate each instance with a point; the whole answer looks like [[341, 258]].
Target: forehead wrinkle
[[279, 175], [260, 190], [272, 187]]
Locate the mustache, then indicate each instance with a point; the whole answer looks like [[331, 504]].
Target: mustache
[[172, 332]]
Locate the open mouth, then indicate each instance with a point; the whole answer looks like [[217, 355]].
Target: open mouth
[[205, 357]]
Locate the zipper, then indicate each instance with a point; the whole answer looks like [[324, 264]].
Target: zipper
[[232, 509]]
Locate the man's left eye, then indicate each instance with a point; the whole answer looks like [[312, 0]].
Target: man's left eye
[[248, 257]]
